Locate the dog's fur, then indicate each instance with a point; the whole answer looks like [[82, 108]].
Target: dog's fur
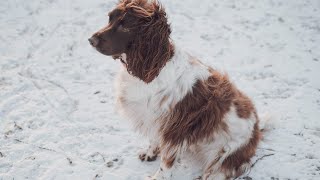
[[180, 104]]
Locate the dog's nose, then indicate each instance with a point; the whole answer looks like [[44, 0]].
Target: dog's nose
[[94, 41]]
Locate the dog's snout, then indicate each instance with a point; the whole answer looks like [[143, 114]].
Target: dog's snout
[[94, 41]]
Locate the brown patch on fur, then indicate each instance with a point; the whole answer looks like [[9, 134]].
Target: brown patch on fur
[[196, 117], [150, 48], [243, 155], [244, 106]]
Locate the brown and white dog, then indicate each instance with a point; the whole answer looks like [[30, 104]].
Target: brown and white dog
[[178, 103]]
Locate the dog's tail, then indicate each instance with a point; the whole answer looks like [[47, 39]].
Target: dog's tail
[[266, 122]]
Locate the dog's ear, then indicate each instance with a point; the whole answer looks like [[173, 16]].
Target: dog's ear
[[151, 48], [124, 1], [135, 2]]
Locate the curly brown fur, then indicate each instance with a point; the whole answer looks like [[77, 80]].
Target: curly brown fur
[[150, 49]]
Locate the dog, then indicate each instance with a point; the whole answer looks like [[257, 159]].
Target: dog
[[181, 105]]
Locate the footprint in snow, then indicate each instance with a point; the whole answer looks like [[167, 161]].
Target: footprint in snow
[[115, 163]]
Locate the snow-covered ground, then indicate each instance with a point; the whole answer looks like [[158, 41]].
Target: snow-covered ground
[[57, 115]]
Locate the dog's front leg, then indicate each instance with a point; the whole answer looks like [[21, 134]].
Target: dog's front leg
[[168, 165], [151, 153]]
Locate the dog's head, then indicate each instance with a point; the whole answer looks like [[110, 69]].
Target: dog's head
[[139, 29]]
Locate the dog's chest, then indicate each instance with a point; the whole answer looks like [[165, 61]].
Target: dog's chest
[[143, 104], [146, 104]]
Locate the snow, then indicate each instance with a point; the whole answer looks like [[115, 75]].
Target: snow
[[57, 114]]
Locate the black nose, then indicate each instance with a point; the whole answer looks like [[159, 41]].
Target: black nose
[[94, 41]]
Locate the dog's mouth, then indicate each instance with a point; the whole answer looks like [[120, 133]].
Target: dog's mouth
[[121, 57], [114, 56], [101, 51]]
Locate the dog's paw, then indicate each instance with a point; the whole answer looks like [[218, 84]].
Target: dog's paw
[[150, 154], [145, 156]]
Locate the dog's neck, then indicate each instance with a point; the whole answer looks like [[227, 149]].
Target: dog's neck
[[144, 69]]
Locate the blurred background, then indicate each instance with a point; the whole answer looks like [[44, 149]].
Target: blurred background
[[57, 115]]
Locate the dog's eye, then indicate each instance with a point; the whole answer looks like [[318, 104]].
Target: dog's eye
[[122, 28]]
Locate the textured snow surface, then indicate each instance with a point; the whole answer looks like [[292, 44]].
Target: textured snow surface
[[57, 114]]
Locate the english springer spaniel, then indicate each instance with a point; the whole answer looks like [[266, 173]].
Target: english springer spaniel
[[178, 103]]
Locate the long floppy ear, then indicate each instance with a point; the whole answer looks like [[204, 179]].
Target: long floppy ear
[[151, 47]]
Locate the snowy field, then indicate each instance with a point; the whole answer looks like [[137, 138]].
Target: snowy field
[[57, 114]]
